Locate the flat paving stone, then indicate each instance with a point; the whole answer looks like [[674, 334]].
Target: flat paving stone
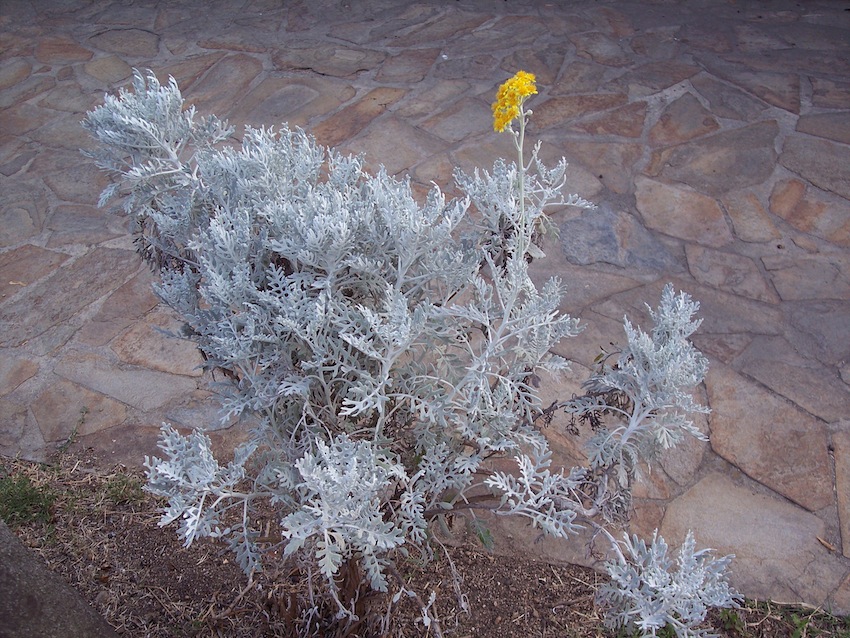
[[777, 553], [58, 298], [713, 136], [754, 441]]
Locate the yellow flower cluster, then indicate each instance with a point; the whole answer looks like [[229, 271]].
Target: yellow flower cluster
[[510, 97]]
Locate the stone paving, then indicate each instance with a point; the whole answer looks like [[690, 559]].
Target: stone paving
[[714, 135]]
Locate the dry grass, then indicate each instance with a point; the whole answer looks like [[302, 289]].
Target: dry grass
[[101, 533]]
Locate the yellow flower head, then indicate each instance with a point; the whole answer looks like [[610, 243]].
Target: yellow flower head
[[510, 97]]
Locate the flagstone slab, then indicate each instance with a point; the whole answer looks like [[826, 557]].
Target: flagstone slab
[[64, 409], [139, 388], [729, 160], [19, 435], [408, 66], [459, 120], [338, 61], [777, 553], [558, 111], [544, 64], [14, 71], [122, 308], [60, 50], [28, 89], [750, 221], [625, 121], [351, 120], [15, 370], [810, 212], [607, 236], [154, 343], [613, 163], [729, 272], [21, 267], [727, 101], [57, 299], [823, 329], [654, 77], [721, 313], [825, 164], [754, 440], [187, 70], [830, 94], [24, 210], [396, 145], [832, 126], [821, 276], [681, 212], [682, 120], [109, 69], [601, 48], [294, 100], [224, 84], [579, 77], [133, 43], [808, 383]]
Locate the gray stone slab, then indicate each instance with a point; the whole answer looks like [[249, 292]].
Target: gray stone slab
[[777, 444], [55, 300], [825, 164], [37, 603], [777, 552]]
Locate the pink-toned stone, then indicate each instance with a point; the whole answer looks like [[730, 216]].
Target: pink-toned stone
[[681, 213], [138, 387], [80, 183], [24, 209], [22, 266], [224, 84], [466, 67], [832, 126], [729, 160], [187, 70], [396, 145], [23, 118], [133, 43], [723, 347], [612, 163], [825, 164], [55, 300], [461, 119], [148, 345], [408, 66], [19, 436], [821, 276], [67, 96], [579, 77], [545, 64], [441, 30], [839, 601], [722, 313], [830, 94], [809, 212], [28, 89], [295, 100], [653, 77], [778, 89], [14, 71], [728, 271], [109, 69], [841, 454], [240, 39], [14, 371], [682, 120], [777, 554], [336, 60], [600, 48], [123, 307], [66, 407], [726, 100], [354, 118], [60, 50], [626, 121], [83, 225], [560, 110], [750, 221], [778, 445], [813, 386]]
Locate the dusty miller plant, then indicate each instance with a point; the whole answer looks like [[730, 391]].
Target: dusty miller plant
[[385, 348]]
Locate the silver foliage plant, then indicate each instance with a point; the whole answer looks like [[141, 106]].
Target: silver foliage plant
[[386, 349]]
